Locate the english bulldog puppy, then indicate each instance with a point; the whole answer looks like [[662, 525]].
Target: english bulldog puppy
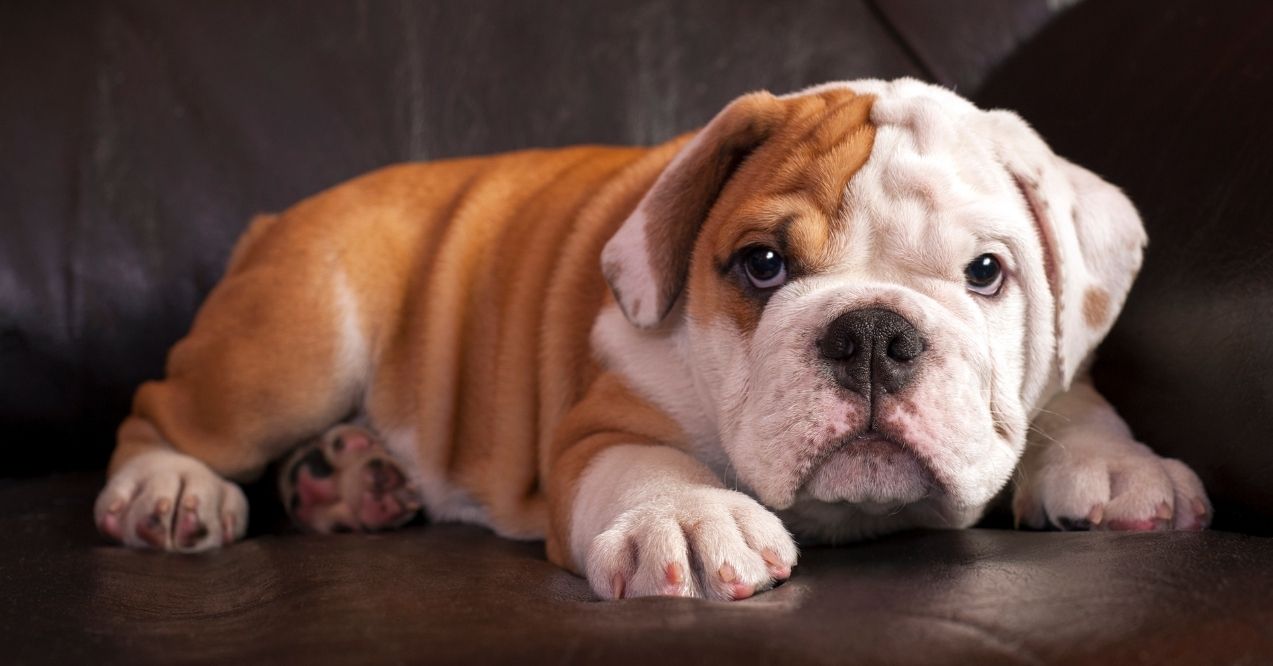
[[860, 308]]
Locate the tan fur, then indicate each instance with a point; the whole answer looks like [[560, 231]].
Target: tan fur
[[450, 264], [476, 284], [787, 196], [1095, 306], [460, 310]]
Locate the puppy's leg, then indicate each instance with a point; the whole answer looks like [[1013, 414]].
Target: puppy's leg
[[649, 519], [346, 481], [277, 353], [1084, 470]]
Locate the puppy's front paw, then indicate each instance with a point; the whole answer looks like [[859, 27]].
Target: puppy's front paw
[[169, 501], [708, 542], [1123, 487]]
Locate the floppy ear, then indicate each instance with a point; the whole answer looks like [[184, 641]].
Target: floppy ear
[[1092, 236], [647, 260]]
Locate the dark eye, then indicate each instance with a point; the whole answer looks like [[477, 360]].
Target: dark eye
[[765, 267], [984, 275]]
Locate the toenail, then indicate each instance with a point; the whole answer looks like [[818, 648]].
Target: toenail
[[164, 505], [675, 576], [727, 573], [1199, 508], [616, 586], [1164, 511], [1096, 515]]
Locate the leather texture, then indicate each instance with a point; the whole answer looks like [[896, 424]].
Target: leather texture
[[452, 594], [959, 44], [1172, 106], [138, 136]]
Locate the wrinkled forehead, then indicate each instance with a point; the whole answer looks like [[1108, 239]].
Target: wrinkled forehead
[[931, 184]]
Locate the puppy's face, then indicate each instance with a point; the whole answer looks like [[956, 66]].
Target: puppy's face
[[871, 300], [866, 343]]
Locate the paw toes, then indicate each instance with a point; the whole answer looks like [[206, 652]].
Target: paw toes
[[778, 566], [734, 587], [190, 530], [1192, 509], [1140, 509], [1137, 493], [172, 502], [706, 546], [152, 529], [110, 520], [227, 528]]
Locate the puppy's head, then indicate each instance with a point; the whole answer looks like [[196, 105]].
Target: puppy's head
[[878, 284]]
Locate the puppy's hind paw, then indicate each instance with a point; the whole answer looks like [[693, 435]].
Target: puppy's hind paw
[[346, 481]]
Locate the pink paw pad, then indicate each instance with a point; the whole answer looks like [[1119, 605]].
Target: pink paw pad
[[345, 481]]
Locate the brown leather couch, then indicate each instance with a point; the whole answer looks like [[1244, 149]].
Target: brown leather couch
[[137, 136]]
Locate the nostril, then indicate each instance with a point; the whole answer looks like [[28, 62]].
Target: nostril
[[905, 346], [837, 347]]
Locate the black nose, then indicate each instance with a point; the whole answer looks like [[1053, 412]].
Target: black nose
[[872, 349]]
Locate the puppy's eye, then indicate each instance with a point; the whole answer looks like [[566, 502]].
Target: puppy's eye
[[984, 275], [765, 267]]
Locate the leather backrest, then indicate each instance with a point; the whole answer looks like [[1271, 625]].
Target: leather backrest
[[137, 137], [1170, 101]]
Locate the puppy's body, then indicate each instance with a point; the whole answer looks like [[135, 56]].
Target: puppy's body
[[463, 306], [450, 300]]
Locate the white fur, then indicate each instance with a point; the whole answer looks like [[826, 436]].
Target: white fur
[[941, 186], [168, 478], [443, 500], [641, 509], [1087, 468], [352, 359]]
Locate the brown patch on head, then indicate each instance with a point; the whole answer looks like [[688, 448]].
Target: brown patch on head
[[1095, 307], [762, 164], [787, 194], [681, 200]]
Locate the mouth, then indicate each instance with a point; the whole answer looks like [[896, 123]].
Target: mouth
[[869, 469]]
